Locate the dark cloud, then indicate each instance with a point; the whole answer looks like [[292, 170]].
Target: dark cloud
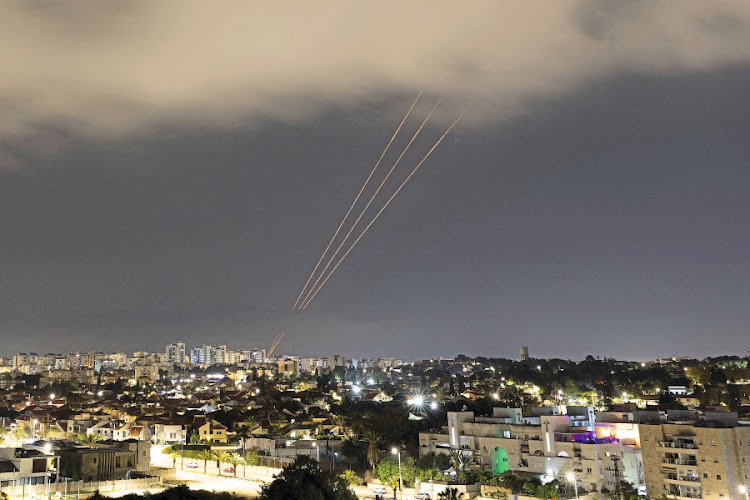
[[174, 173], [129, 67]]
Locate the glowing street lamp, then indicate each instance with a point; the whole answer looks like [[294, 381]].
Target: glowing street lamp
[[397, 452], [434, 405], [744, 490], [572, 478]]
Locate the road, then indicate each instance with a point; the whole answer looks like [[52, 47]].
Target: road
[[248, 486]]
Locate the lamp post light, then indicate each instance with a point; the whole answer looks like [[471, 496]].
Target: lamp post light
[[33, 432], [572, 478], [317, 451], [744, 490], [397, 452]]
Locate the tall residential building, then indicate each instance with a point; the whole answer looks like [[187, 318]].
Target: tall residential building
[[176, 352], [524, 353], [545, 443], [209, 355], [692, 456]]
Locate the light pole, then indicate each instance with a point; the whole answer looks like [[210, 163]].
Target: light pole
[[397, 452], [317, 451], [33, 433], [743, 489], [66, 488], [572, 478]]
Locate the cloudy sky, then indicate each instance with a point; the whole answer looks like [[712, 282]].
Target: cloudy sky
[[174, 171]]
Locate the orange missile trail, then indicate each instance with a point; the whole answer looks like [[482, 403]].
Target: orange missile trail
[[276, 343], [372, 198], [280, 337], [306, 303], [348, 212]]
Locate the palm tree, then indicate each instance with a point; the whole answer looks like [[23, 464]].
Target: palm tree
[[221, 456], [174, 454], [205, 455], [373, 440], [459, 460], [450, 494], [233, 459], [351, 478], [88, 439]]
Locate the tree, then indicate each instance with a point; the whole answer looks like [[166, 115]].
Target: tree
[[251, 456], [194, 437], [351, 478], [88, 439], [305, 480], [174, 454], [205, 455], [20, 432], [511, 482], [374, 453], [547, 491], [234, 459], [450, 494], [220, 456]]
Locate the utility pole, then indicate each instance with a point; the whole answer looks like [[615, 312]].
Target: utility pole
[[615, 469]]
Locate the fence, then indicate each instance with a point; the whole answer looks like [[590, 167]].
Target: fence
[[72, 489]]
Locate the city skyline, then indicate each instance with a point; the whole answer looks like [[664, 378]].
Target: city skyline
[[593, 200]]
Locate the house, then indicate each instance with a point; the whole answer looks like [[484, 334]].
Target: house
[[32, 465], [132, 431], [209, 430], [168, 433], [105, 461]]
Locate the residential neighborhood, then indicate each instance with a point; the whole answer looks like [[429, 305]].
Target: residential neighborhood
[[678, 427]]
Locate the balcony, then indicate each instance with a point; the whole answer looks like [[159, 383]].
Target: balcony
[[677, 461], [685, 494], [678, 444], [678, 478]]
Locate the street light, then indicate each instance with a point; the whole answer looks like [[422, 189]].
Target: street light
[[572, 478], [743, 489], [397, 452], [317, 451]]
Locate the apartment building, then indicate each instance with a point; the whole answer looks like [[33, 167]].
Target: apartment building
[[175, 353], [696, 456], [547, 443]]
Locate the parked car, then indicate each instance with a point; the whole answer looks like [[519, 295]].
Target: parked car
[[191, 465], [379, 490], [229, 470], [421, 496]]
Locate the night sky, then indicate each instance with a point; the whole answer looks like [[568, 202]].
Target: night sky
[[173, 172]]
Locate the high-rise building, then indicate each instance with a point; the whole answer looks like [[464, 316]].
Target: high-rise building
[[209, 355], [524, 353], [176, 352], [692, 456]]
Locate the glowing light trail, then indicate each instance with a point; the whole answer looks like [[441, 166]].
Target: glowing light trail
[[369, 202], [348, 212], [306, 303]]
